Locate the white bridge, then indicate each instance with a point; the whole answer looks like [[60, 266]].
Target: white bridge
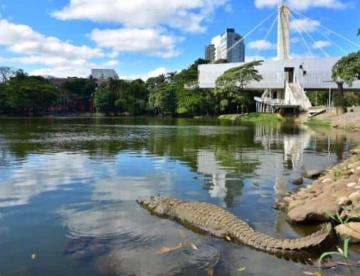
[[285, 80]]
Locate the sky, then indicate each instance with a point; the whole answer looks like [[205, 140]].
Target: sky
[[144, 38]]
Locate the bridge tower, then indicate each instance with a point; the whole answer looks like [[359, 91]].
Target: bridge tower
[[283, 43]]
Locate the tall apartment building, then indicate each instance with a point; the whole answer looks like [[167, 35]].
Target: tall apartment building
[[210, 52], [228, 46]]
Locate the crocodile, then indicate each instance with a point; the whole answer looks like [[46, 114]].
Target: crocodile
[[218, 222]]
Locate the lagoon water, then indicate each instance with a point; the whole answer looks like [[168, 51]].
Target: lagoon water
[[68, 190]]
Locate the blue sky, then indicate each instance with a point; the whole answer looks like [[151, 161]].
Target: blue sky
[[142, 38]]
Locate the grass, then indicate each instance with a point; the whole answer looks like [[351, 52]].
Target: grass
[[252, 117], [343, 252], [317, 122]]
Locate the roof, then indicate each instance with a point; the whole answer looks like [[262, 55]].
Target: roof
[[104, 74], [311, 73]]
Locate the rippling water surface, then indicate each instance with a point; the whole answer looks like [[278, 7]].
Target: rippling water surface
[[68, 190]]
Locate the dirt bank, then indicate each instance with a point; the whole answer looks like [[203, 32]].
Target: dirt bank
[[349, 120]]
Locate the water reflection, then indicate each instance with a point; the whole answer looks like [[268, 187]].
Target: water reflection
[[76, 182]]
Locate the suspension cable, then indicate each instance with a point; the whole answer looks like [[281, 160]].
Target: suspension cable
[[310, 37], [329, 30], [341, 49], [268, 33], [251, 31], [304, 41]]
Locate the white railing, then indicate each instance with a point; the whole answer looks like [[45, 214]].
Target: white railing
[[269, 101]]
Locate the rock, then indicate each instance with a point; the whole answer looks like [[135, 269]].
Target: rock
[[313, 174], [298, 181], [355, 197], [343, 201], [311, 210], [351, 230]]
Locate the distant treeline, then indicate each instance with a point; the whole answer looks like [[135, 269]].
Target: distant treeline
[[172, 94]]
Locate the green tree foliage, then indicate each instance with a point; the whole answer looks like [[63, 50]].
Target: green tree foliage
[[230, 87], [192, 101], [120, 96], [106, 96], [77, 94], [3, 105], [352, 98], [29, 94], [162, 99], [346, 70], [170, 95]]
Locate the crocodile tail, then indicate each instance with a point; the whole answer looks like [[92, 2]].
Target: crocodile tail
[[266, 243]]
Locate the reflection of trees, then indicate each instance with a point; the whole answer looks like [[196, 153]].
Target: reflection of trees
[[106, 137], [178, 139]]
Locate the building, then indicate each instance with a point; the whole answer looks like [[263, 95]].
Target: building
[[285, 80], [210, 52], [102, 75], [229, 46]]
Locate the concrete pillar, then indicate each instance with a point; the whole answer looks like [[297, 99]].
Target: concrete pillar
[[283, 43]]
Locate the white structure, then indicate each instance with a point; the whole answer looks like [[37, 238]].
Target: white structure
[[283, 47], [104, 74], [284, 79], [228, 46]]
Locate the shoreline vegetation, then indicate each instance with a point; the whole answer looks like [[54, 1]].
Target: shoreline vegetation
[[253, 117], [164, 95]]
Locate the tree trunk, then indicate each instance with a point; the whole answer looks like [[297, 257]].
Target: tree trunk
[[340, 104]]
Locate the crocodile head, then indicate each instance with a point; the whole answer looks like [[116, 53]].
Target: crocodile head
[[158, 205]]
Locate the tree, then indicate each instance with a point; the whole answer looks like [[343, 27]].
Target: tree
[[5, 74], [3, 99], [162, 99], [77, 93], [137, 97], [230, 86], [346, 70], [106, 96], [29, 94], [191, 102]]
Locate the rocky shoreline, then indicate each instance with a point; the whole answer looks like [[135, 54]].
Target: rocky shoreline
[[335, 194]]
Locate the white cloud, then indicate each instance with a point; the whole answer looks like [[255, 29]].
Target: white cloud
[[304, 25], [320, 44], [295, 39], [153, 73], [149, 41], [186, 15], [261, 45], [23, 39], [109, 63], [302, 4], [59, 58]]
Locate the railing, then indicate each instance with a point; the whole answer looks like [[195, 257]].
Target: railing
[[269, 101]]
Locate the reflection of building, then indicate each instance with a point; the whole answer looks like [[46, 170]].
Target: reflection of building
[[228, 46], [289, 158], [208, 165]]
